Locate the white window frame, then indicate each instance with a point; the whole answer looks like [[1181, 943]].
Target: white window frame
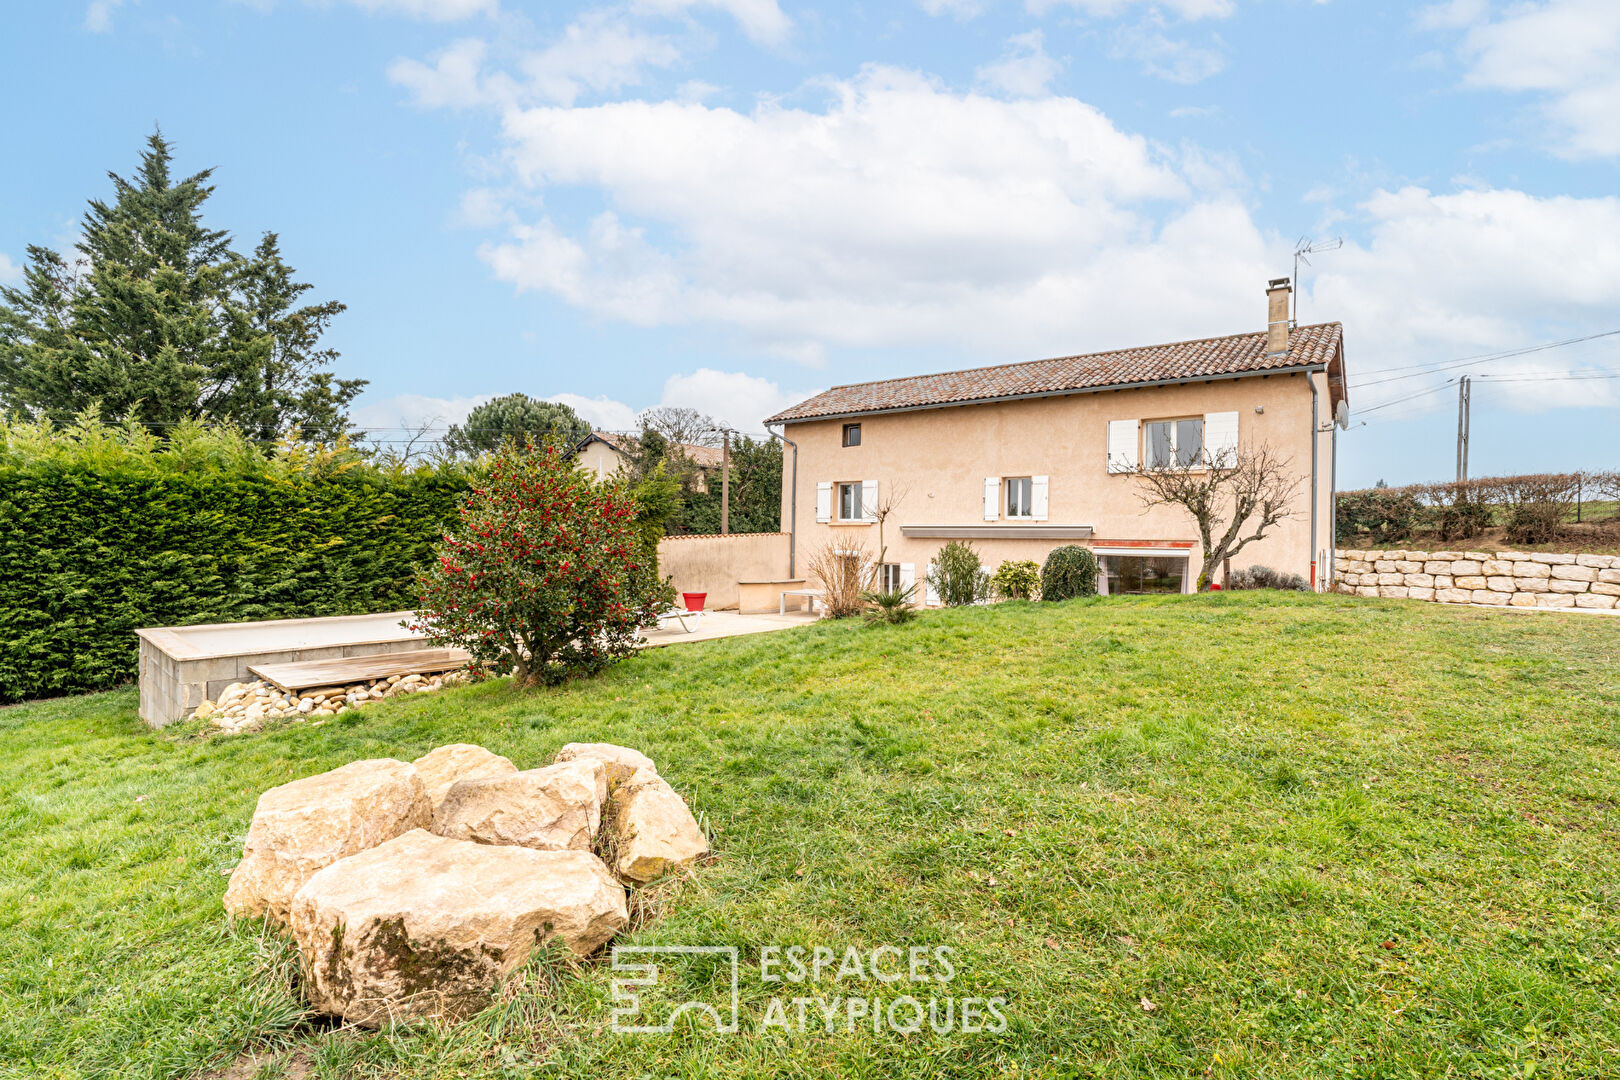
[[850, 490], [1027, 511], [891, 577], [1175, 448]]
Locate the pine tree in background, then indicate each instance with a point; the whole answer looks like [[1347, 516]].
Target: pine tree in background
[[515, 417], [159, 320]]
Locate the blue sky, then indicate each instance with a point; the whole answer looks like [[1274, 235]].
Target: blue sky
[[731, 203]]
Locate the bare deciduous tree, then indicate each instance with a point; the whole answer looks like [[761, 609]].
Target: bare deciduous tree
[[682, 426], [843, 568], [1252, 488], [891, 494]]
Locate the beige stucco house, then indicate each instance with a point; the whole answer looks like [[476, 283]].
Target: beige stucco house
[[1022, 458], [604, 453]]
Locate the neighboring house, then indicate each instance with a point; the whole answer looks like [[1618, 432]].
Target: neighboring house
[[1022, 458], [604, 453]]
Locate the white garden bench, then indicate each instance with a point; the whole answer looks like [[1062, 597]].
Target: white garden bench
[[810, 595]]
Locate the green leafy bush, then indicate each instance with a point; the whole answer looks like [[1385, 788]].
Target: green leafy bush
[[958, 575], [1017, 579], [1387, 514], [541, 576], [105, 529], [1070, 571]]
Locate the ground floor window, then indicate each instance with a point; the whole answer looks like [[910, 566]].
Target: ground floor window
[[889, 577], [1144, 573]]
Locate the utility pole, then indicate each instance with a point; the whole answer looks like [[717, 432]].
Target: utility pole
[[725, 483], [1464, 399]]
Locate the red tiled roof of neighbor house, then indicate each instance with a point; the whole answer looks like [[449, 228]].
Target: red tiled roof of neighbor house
[[1238, 354]]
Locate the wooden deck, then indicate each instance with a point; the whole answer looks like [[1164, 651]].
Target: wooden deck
[[348, 670]]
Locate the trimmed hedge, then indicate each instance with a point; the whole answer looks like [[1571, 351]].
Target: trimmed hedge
[[105, 530]]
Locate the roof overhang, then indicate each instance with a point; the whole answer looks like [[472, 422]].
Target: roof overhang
[[1033, 531], [1295, 369]]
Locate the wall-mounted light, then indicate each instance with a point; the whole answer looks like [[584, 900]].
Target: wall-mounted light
[[1259, 409]]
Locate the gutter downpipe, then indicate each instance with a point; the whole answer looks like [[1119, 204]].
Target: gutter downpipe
[[1333, 509], [793, 501], [1316, 439]]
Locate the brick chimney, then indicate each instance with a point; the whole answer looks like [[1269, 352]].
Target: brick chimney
[[1277, 294]]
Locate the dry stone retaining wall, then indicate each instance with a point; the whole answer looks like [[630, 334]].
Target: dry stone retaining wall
[[1502, 578]]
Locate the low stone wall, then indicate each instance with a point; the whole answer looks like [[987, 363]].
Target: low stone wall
[[1502, 579]]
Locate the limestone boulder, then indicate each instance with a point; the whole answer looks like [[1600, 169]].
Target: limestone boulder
[[620, 763], [649, 829], [557, 808], [299, 829], [426, 926], [440, 769]]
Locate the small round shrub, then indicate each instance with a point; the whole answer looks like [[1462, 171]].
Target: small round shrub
[[1017, 579], [1069, 572]]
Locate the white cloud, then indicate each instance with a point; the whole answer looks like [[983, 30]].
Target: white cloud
[[396, 417], [1186, 9], [598, 52], [434, 10], [1169, 58], [735, 398], [902, 212], [1453, 275], [10, 273], [762, 20], [1452, 14], [960, 9], [601, 412], [1023, 70], [98, 16], [899, 213], [1567, 51], [452, 80]]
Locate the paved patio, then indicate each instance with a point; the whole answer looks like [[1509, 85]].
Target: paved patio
[[724, 624]]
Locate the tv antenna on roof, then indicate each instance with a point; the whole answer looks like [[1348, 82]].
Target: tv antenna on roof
[[1304, 247]]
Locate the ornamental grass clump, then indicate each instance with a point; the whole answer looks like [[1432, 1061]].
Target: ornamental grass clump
[[542, 577]]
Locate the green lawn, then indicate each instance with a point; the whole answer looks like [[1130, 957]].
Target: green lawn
[[1320, 836]]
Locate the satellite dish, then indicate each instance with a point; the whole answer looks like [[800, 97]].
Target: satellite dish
[[1341, 415]]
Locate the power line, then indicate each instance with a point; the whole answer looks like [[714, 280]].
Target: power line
[[1431, 368]]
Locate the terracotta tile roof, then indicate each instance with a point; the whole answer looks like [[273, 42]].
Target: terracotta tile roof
[[1206, 357]]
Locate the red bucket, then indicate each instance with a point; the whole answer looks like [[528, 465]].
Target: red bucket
[[694, 600]]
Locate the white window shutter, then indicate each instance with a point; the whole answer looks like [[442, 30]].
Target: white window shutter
[[869, 500], [908, 578], [1037, 498], [1221, 439], [992, 498], [1123, 443], [824, 501], [930, 594]]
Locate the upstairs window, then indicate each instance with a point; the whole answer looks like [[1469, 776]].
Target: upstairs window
[[849, 502], [1174, 443], [1020, 496], [852, 434]]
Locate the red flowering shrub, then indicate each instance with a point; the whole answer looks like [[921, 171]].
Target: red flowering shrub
[[542, 576]]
